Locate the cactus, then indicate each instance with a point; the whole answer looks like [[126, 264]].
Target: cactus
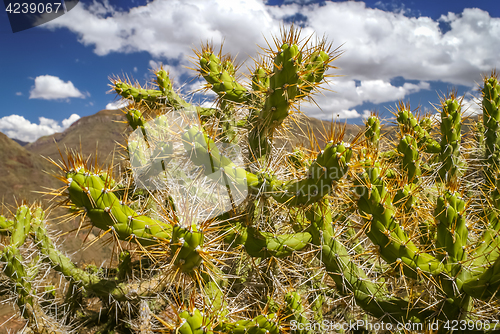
[[213, 239], [491, 117], [451, 139]]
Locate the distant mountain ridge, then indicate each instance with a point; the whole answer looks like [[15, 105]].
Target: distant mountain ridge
[[21, 172], [25, 173], [20, 142], [100, 132], [25, 168]]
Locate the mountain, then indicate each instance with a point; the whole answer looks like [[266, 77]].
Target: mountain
[[20, 142], [22, 173], [99, 132], [25, 170], [302, 129]]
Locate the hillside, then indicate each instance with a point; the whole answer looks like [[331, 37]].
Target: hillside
[[304, 128], [20, 142], [104, 129], [98, 132], [22, 173], [25, 170]]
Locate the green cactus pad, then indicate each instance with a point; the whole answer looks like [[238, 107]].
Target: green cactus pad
[[163, 81], [383, 228], [452, 233], [192, 323], [450, 140], [6, 226], [87, 190], [204, 152], [491, 122], [349, 277], [486, 286], [186, 246], [264, 244], [330, 165], [410, 125], [260, 325], [22, 226], [411, 158], [16, 271], [260, 80], [220, 75], [134, 118], [294, 311], [283, 84], [313, 72], [137, 94], [372, 132]]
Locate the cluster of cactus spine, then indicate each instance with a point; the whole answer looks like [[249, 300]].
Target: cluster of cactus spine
[[376, 229]]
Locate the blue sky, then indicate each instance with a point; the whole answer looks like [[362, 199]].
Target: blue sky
[[393, 50]]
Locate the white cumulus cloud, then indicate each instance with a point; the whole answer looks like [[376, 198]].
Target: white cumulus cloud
[[471, 106], [169, 28], [344, 95], [49, 87], [68, 121], [379, 45], [18, 127], [117, 104], [380, 91]]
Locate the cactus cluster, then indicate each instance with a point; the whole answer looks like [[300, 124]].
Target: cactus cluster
[[397, 231]]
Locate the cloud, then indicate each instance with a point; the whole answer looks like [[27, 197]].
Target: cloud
[[397, 7], [155, 65], [380, 91], [68, 121], [18, 127], [48, 87], [300, 2], [19, 93], [472, 106], [169, 29], [117, 104], [378, 45], [344, 94], [383, 45]]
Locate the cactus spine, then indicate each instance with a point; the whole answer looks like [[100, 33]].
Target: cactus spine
[[372, 229]]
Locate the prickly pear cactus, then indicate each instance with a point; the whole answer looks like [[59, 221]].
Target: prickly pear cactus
[[219, 231]]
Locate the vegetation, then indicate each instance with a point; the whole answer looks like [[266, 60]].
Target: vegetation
[[219, 230]]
